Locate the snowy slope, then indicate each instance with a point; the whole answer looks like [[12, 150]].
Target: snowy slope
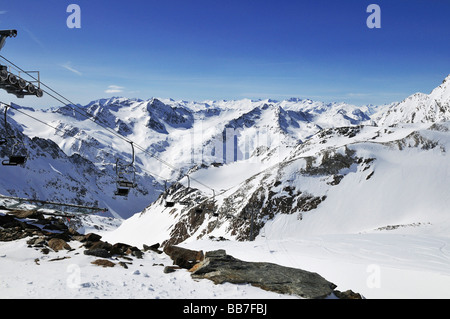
[[171, 138], [344, 185], [382, 228], [357, 194]]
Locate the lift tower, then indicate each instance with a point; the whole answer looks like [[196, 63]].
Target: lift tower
[[11, 79]]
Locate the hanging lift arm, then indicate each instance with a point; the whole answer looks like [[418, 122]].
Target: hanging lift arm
[[124, 185], [14, 83], [6, 34], [4, 140]]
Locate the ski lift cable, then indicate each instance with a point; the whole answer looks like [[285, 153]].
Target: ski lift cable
[[64, 131], [89, 116], [68, 103], [98, 122], [77, 138], [55, 203]]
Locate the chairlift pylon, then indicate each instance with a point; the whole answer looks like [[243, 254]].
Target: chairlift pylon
[[126, 176], [14, 83]]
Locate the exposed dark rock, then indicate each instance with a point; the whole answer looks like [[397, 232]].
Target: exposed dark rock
[[99, 252], [154, 247], [98, 245], [348, 294], [134, 251], [58, 244], [91, 237], [27, 214], [220, 267], [103, 263], [124, 264], [119, 249], [183, 257], [170, 269]]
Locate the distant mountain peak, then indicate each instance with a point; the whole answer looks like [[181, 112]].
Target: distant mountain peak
[[420, 107]]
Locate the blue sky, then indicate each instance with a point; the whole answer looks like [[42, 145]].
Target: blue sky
[[234, 49]]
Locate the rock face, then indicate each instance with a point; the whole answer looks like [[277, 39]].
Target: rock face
[[220, 267], [182, 257]]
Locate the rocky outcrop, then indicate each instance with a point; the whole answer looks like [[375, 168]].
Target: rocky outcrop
[[182, 257], [213, 265], [51, 233], [220, 268]]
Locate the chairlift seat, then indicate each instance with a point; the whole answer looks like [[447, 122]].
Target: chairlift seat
[[126, 184], [169, 204], [122, 191], [15, 160]]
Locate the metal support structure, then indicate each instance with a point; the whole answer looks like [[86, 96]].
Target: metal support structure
[[124, 185], [13, 82], [44, 202], [16, 157]]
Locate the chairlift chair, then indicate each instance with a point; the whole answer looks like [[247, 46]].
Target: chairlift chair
[[120, 191], [166, 202], [16, 157], [125, 184], [169, 204], [15, 160]]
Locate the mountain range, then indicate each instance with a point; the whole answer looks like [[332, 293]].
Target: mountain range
[[240, 169]]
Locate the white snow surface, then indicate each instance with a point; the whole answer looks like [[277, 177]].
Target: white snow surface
[[401, 264], [387, 236]]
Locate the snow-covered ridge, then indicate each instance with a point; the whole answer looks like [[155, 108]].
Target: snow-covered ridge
[[332, 188], [184, 134], [419, 107]]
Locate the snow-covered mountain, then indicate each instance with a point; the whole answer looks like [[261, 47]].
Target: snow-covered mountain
[[419, 107], [360, 177], [218, 148], [51, 174], [357, 194], [170, 137]]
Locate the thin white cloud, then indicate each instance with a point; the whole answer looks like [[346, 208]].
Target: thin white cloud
[[34, 37], [3, 12], [114, 89], [68, 66]]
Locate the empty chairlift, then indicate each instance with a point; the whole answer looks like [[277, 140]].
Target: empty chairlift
[[18, 152], [126, 177], [166, 202]]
